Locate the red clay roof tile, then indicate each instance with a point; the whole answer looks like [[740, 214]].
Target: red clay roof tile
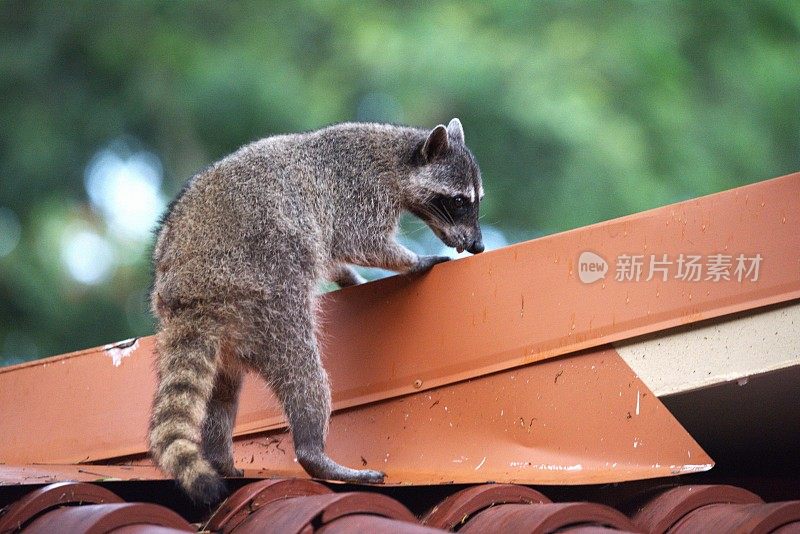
[[543, 518], [374, 524], [751, 518], [302, 514], [38, 501], [667, 508], [301, 506], [104, 518], [251, 497], [462, 505], [589, 529], [141, 528]]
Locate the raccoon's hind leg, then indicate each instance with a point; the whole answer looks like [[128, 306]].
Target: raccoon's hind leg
[[218, 424], [291, 365], [186, 363]]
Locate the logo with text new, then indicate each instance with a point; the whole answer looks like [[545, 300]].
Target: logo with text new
[[591, 267], [718, 267]]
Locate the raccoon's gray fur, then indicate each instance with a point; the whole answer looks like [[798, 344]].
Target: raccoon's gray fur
[[239, 257]]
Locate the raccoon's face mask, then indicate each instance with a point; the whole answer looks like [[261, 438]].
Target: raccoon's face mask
[[448, 189], [454, 220]]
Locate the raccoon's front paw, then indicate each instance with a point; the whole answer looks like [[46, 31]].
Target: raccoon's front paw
[[348, 281], [426, 262], [346, 276]]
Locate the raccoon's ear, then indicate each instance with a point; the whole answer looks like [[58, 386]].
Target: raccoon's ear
[[435, 144], [456, 131]]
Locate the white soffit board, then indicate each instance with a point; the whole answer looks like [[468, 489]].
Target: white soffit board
[[721, 350]]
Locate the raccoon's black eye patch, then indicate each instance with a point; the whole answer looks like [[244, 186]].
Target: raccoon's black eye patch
[[457, 205], [452, 208]]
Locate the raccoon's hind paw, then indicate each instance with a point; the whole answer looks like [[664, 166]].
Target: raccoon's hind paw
[[368, 476], [231, 472], [225, 468], [319, 465]]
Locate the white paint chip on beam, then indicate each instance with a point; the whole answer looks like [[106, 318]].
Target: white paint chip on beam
[[725, 349]]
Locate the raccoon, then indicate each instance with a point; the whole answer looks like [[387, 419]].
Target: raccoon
[[238, 260]]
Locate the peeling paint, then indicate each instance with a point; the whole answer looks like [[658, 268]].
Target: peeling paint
[[691, 468], [547, 467], [121, 349], [576, 467]]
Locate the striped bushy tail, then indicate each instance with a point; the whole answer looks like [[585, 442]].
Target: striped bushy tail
[[186, 362]]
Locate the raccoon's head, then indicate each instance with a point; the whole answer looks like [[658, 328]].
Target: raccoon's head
[[445, 188]]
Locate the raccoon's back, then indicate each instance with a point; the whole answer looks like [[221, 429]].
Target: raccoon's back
[[229, 232]]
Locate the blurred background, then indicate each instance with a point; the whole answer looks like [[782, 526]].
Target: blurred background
[[577, 112]]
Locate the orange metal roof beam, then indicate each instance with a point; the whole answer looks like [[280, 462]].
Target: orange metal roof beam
[[582, 419], [464, 319]]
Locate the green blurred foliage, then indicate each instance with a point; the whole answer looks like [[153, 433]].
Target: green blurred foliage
[[577, 111]]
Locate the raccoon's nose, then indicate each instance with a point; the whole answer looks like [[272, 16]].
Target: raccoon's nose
[[476, 247]]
